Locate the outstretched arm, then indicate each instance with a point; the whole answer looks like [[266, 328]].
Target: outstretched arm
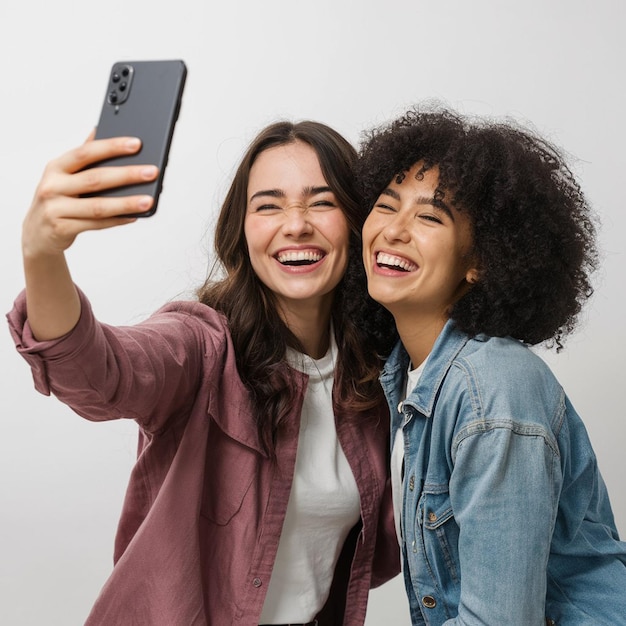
[[59, 213]]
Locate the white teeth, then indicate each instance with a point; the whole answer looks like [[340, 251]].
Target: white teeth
[[382, 258], [294, 256]]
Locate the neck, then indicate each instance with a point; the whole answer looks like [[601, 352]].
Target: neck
[[418, 337], [311, 326]]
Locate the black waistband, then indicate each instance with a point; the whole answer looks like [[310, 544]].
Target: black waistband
[[313, 623]]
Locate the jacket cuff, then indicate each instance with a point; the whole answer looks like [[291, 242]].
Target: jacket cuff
[[38, 353]]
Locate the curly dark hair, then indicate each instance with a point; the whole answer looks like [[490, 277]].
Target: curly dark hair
[[363, 329], [533, 229]]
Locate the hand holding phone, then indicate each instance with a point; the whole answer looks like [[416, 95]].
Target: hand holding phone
[[143, 99]]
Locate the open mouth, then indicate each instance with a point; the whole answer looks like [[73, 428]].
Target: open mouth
[[392, 262], [295, 258]]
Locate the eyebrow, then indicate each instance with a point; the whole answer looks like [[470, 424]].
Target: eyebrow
[[307, 192], [419, 200]]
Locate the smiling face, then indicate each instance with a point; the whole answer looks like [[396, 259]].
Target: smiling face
[[296, 232], [417, 251]]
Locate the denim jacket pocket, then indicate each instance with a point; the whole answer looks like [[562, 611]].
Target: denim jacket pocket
[[440, 533]]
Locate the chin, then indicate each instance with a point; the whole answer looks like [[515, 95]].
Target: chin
[[382, 296]]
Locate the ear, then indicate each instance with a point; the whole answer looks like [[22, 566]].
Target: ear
[[472, 275]]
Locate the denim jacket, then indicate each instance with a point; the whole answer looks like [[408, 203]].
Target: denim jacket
[[505, 517]]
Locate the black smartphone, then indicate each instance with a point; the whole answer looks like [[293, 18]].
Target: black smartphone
[[142, 99]]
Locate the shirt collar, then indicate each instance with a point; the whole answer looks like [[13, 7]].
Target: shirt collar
[[446, 348]]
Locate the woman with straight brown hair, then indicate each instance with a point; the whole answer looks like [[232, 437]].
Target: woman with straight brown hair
[[261, 490]]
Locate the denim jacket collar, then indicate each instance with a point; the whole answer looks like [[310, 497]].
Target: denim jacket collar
[[446, 348]]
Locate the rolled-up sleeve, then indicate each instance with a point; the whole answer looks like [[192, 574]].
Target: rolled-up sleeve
[[147, 372], [38, 353]]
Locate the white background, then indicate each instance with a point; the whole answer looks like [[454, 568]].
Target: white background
[[558, 64]]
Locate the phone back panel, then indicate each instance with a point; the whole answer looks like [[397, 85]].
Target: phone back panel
[[147, 108]]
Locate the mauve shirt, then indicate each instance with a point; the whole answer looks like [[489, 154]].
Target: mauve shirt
[[204, 508]]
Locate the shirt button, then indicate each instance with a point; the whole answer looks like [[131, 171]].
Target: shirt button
[[429, 602], [257, 582]]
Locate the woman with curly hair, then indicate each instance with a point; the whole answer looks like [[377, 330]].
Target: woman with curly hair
[[261, 493], [480, 244]]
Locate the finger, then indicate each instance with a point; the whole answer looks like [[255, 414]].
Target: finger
[[62, 234], [98, 209], [53, 227], [98, 179], [93, 151], [74, 227], [91, 181]]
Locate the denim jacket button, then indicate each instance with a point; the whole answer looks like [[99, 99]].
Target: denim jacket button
[[429, 602], [432, 517]]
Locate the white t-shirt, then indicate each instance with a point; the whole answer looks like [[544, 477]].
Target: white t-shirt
[[397, 453], [323, 506]]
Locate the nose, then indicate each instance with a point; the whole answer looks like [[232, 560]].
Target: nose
[[396, 229], [296, 222]]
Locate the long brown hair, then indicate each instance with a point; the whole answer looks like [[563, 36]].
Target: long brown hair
[[259, 335]]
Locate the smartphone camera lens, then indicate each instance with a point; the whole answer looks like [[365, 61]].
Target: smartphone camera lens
[[120, 84]]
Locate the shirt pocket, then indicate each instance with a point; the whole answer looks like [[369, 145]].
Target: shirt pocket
[[440, 534], [230, 468]]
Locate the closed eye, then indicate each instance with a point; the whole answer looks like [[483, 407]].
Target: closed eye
[[266, 207], [384, 207], [323, 204], [430, 218]]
